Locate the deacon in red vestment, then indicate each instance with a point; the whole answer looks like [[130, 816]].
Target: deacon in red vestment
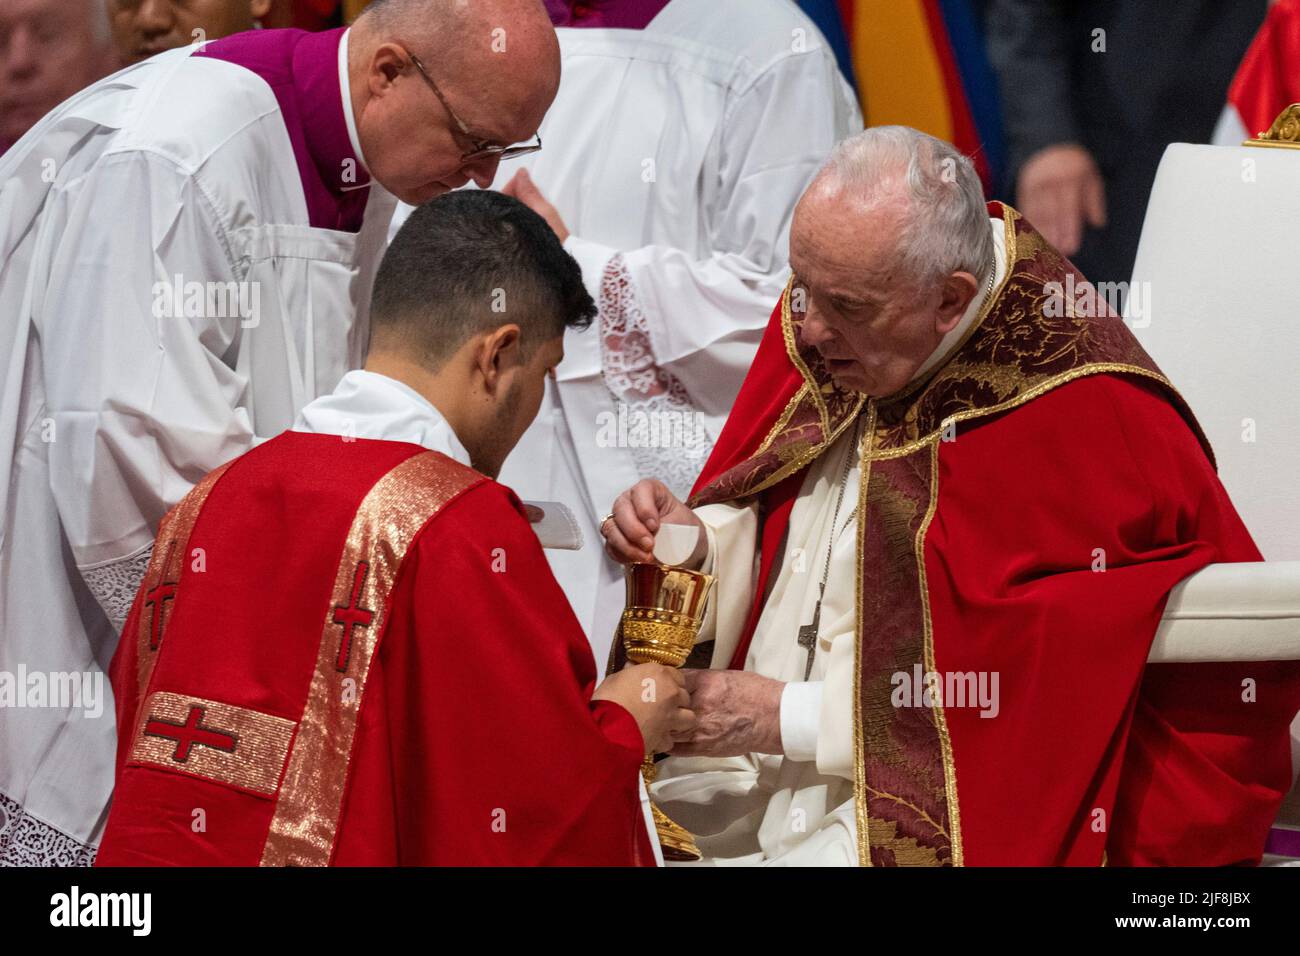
[[1021, 489], [348, 648]]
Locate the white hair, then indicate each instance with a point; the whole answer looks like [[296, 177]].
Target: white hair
[[948, 228]]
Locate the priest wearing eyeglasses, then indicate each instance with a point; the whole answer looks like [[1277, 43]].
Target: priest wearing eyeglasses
[[188, 249]]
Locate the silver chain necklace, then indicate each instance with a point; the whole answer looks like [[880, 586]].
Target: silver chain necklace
[[807, 637]]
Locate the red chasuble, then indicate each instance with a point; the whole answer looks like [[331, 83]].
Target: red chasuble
[[354, 653], [1026, 509]]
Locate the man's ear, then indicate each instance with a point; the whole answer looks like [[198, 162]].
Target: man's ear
[[387, 63], [956, 294], [498, 352]]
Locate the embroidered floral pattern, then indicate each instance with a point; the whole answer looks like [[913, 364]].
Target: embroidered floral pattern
[[1015, 353], [657, 421]]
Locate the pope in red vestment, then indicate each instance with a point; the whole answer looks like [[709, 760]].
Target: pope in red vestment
[[1025, 510]]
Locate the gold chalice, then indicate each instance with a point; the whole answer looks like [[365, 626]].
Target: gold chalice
[[664, 612]]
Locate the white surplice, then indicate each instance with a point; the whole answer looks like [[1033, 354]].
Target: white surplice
[[675, 155], [795, 809], [179, 166]]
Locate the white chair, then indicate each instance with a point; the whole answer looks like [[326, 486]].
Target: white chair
[[1214, 300]]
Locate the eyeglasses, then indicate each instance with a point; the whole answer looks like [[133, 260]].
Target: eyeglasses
[[481, 148]]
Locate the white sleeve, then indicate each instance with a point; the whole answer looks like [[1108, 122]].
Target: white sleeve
[[834, 739], [817, 718], [142, 402], [801, 715], [732, 531], [705, 316]]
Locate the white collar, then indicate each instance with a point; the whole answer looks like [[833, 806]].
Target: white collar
[[345, 87], [369, 405], [948, 344]]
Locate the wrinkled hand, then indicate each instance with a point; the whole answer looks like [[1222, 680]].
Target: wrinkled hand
[[1058, 188], [736, 712], [522, 187], [638, 513], [657, 700]]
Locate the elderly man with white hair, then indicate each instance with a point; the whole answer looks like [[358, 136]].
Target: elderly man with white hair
[[944, 517]]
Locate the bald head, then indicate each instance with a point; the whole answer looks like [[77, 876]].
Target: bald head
[[508, 44], [496, 64]]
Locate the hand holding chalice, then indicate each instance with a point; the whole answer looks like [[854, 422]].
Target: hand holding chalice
[[665, 602]]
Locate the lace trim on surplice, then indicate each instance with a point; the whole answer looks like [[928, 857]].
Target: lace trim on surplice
[[27, 841], [655, 418], [114, 585]]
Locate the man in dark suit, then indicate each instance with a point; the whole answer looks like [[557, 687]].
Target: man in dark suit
[[1093, 93]]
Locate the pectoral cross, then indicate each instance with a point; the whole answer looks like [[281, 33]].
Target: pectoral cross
[[808, 634]]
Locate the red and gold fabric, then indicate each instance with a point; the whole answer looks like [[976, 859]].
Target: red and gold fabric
[[352, 652], [1025, 510]]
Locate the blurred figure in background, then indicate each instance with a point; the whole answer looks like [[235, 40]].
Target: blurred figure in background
[[49, 49], [142, 28], [1093, 93], [1268, 80]]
